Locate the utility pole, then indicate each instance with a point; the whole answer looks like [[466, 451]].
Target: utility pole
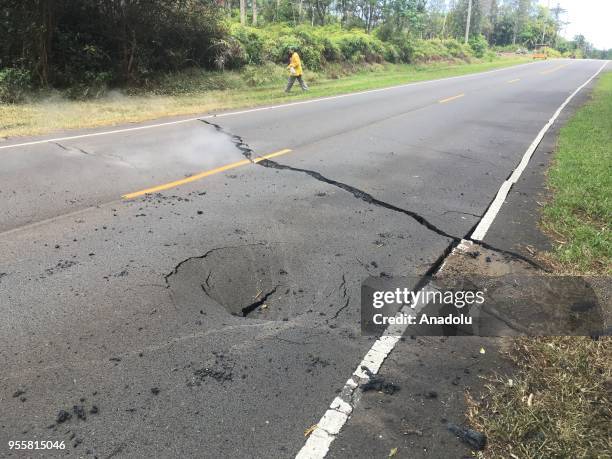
[[469, 19]]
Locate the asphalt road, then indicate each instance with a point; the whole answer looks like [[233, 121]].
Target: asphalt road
[[125, 303]]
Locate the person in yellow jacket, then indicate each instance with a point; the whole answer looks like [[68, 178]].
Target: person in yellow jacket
[[295, 71]]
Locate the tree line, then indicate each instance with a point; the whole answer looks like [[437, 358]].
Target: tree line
[[65, 42], [502, 22]]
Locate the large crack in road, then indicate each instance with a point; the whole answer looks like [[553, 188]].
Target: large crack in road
[[248, 153], [267, 259]]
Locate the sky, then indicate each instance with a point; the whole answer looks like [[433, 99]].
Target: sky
[[591, 18]]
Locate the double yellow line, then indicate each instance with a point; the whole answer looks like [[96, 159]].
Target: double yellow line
[[201, 175]]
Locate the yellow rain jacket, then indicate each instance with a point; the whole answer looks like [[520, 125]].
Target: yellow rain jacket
[[296, 64]]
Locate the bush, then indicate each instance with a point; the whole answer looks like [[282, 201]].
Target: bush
[[551, 52], [391, 53], [429, 50], [229, 53], [14, 85], [90, 85], [457, 49], [252, 43], [259, 75], [357, 46], [479, 45]]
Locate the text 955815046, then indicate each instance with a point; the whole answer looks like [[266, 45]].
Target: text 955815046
[[36, 444]]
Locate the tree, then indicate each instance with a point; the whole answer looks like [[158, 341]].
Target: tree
[[459, 18], [243, 12]]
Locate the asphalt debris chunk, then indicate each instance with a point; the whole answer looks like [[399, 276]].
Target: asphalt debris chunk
[[378, 383], [62, 416], [474, 439], [79, 411]]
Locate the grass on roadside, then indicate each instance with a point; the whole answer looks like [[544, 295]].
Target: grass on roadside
[[241, 90], [557, 403], [579, 216]]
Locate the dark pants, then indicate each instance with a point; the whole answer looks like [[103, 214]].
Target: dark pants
[[292, 79]]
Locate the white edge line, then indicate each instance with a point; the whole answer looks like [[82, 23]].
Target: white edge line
[[252, 110], [488, 218], [318, 443]]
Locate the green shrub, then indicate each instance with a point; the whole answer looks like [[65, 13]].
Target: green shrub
[[458, 49], [356, 46], [317, 46], [429, 50], [391, 53], [229, 53], [14, 85], [252, 43], [551, 52], [479, 45], [260, 75]]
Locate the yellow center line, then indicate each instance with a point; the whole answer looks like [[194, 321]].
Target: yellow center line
[[271, 155], [443, 101], [515, 80], [201, 175], [546, 72]]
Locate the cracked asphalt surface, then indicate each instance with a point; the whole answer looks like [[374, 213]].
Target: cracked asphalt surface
[[137, 307]]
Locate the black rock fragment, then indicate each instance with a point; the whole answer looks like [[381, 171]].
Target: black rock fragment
[[378, 383], [476, 440], [79, 411], [62, 416]]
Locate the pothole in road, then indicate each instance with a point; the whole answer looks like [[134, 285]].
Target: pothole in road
[[251, 281]]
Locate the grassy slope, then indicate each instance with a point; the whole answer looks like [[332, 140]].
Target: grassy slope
[[580, 213], [557, 404], [56, 113]]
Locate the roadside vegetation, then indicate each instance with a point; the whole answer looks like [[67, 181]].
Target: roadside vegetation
[[197, 92], [114, 61], [558, 402], [556, 405], [579, 216]]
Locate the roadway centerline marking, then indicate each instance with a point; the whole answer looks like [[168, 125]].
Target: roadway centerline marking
[[546, 72], [515, 80], [342, 407], [458, 96], [201, 175]]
